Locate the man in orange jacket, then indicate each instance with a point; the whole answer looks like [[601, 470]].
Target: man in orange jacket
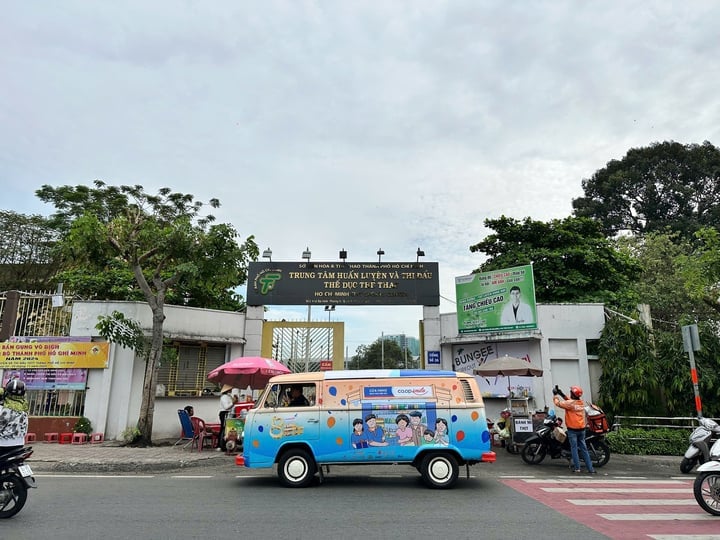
[[575, 423]]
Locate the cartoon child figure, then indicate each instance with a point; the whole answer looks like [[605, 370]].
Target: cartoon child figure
[[417, 427], [441, 432], [404, 431], [375, 434], [428, 436], [358, 438]]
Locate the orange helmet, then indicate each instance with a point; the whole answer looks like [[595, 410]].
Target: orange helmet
[[575, 391]]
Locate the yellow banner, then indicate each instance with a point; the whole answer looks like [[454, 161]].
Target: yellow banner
[[48, 355]]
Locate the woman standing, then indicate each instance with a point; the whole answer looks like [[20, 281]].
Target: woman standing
[[226, 403]]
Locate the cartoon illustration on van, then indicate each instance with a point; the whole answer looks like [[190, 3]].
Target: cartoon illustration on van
[[433, 420]]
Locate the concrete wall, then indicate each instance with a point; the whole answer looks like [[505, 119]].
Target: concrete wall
[[114, 395], [558, 346]]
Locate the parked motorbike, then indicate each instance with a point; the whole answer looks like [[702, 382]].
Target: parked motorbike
[[16, 477], [701, 439], [550, 439], [707, 484]]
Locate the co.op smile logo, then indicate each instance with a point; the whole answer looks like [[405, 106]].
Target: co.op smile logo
[[418, 391]]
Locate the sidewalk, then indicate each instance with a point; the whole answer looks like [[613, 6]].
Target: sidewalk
[[111, 456]]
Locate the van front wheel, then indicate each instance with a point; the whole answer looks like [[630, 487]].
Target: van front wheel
[[296, 468], [439, 470]]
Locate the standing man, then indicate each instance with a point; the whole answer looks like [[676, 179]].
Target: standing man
[[515, 311], [575, 423]]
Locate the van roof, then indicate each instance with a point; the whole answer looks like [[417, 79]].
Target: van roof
[[364, 374]]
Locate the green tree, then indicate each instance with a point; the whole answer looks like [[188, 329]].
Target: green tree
[[162, 240], [701, 269], [572, 260], [27, 256], [382, 353], [647, 373], [663, 282], [664, 185]]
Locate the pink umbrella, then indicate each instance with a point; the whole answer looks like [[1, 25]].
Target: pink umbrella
[[244, 371]]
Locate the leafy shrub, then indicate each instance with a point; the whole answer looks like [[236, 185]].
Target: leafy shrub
[[83, 425], [649, 442], [130, 435]]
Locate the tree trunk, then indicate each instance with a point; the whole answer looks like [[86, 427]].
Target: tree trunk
[[147, 408]]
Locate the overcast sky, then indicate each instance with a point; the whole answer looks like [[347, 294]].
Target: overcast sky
[[357, 125]]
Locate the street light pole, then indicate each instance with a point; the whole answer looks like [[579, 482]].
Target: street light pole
[[382, 350], [329, 310], [307, 342], [306, 255]]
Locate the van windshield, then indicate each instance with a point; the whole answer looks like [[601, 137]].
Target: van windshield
[[270, 396]]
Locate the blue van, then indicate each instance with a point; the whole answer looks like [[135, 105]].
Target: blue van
[[432, 420]]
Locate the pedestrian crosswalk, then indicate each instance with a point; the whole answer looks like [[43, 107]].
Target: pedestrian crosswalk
[[626, 508]]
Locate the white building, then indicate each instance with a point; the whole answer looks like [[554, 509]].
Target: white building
[[562, 347]]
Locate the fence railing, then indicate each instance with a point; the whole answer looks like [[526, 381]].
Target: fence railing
[[650, 422], [35, 313]]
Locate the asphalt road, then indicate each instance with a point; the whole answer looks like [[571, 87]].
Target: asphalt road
[[387, 503]]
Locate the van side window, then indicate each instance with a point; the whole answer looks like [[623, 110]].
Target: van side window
[[297, 395]]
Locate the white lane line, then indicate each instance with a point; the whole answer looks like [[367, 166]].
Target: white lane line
[[92, 476], [521, 477], [605, 481], [657, 517], [617, 490], [632, 502], [193, 476], [684, 536]]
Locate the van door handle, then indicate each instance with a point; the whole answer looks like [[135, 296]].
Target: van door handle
[[313, 421]]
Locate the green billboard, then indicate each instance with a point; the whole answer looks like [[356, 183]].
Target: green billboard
[[497, 301]]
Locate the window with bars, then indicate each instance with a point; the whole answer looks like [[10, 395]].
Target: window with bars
[[187, 376]]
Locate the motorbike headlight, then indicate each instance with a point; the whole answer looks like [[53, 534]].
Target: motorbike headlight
[[699, 434]]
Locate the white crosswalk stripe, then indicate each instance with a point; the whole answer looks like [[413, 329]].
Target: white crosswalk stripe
[[657, 517], [633, 502], [614, 490]]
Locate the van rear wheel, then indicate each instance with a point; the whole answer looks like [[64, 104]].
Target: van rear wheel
[[439, 470], [296, 468]]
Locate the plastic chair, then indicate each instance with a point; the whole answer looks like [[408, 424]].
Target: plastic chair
[[202, 433], [188, 431]]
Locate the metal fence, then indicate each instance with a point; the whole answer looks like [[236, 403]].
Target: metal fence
[[653, 422], [47, 314], [38, 313]]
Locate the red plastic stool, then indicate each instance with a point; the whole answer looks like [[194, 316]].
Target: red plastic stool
[[30, 438], [65, 438], [96, 438], [51, 437], [79, 438]]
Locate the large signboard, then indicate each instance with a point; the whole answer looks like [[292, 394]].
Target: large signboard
[[468, 357], [49, 355], [50, 379], [496, 301], [302, 283]]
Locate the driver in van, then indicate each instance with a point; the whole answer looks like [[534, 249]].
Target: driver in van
[[297, 398]]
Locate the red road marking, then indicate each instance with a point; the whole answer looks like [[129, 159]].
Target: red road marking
[[624, 529]]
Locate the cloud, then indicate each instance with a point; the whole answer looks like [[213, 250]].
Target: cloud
[[351, 125]]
